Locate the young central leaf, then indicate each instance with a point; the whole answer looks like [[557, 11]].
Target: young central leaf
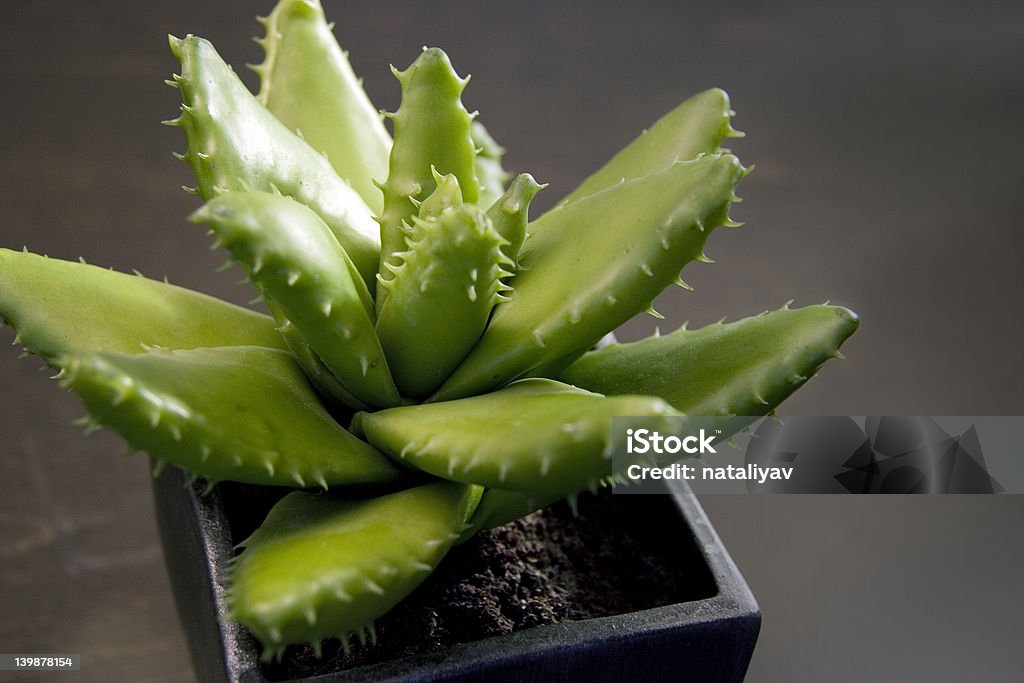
[[443, 291], [510, 213], [432, 131]]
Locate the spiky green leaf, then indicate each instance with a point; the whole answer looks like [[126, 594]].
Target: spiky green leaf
[[294, 260], [324, 566], [537, 436], [697, 126], [235, 143], [595, 263], [510, 213], [59, 307], [326, 104], [441, 296], [747, 367], [431, 135], [241, 413]]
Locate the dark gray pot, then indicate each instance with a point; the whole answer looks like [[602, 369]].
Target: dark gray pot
[[708, 639]]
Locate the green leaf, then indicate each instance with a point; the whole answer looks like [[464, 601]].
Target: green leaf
[[747, 367], [697, 126], [60, 307], [536, 436], [326, 384], [296, 263], [323, 566], [325, 104], [592, 265], [441, 296], [241, 413], [431, 136], [235, 143], [510, 213]]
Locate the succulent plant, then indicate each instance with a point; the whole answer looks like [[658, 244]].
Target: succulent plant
[[427, 368]]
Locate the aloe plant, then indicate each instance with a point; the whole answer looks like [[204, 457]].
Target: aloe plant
[[426, 368]]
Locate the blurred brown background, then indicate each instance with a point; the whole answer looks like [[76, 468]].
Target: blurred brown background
[[888, 142]]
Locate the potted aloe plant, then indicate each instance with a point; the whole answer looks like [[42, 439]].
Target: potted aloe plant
[[427, 365]]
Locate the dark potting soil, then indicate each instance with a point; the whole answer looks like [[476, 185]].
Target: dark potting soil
[[620, 554]]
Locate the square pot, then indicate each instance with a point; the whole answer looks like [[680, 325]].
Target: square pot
[[710, 638]]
